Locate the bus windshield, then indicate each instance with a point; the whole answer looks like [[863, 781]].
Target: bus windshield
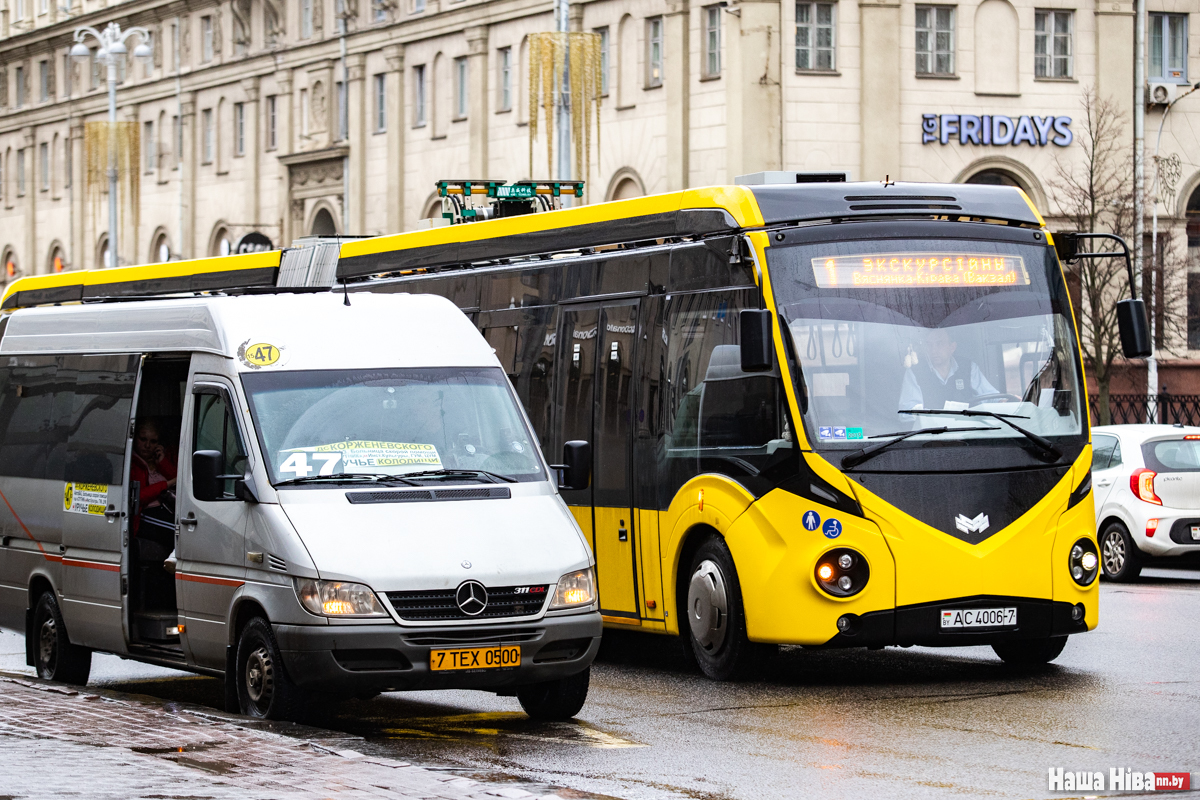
[[884, 329], [390, 422]]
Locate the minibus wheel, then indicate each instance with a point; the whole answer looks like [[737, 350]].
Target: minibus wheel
[[264, 689], [716, 623], [1030, 652], [54, 655], [1120, 559], [555, 701]]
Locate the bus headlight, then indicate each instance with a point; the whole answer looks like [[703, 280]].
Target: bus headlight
[[842, 572], [574, 589], [1084, 562], [338, 599]]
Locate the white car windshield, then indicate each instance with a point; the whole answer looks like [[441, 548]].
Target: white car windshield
[[390, 422]]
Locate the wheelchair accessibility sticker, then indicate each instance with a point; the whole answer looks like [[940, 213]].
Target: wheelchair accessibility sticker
[[812, 520], [832, 529]]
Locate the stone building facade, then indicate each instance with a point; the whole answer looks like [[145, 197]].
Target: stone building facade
[[243, 139]]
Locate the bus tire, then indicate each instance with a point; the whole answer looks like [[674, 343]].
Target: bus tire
[[55, 657], [264, 689], [1030, 652], [555, 701], [716, 623], [1120, 559]]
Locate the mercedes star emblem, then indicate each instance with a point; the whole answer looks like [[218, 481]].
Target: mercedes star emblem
[[471, 598], [466, 565]]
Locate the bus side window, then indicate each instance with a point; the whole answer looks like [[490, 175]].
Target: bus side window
[[99, 424], [533, 371], [503, 340], [216, 429], [31, 444]]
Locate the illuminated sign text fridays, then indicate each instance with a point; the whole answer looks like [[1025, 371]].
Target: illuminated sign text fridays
[[885, 270], [996, 129]]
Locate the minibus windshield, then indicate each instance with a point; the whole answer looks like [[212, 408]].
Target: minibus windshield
[[885, 328], [390, 422]]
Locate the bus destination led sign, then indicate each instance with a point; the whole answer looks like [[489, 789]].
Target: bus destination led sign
[[887, 270]]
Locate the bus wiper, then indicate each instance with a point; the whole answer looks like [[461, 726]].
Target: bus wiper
[[857, 457], [1043, 444], [495, 476], [347, 477]]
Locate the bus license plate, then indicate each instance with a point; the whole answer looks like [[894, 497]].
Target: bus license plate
[[476, 658], [978, 618]]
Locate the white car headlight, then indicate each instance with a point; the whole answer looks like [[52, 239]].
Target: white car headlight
[[575, 589], [338, 599]]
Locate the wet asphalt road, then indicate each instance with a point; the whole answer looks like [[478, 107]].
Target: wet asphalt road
[[894, 723]]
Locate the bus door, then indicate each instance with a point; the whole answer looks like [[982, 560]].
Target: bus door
[[596, 357]]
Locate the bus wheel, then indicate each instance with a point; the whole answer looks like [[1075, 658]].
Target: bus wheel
[[1119, 557], [264, 689], [1030, 652], [716, 624], [555, 700], [55, 657]]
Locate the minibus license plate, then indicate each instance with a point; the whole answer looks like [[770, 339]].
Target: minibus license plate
[[978, 617], [475, 658]]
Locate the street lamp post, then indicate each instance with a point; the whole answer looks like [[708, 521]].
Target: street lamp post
[[111, 52]]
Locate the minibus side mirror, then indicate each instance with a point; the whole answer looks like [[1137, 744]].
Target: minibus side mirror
[[576, 470], [206, 475], [1135, 330], [758, 351]]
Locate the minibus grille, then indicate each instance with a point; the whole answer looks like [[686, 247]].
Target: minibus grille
[[441, 604], [431, 495]]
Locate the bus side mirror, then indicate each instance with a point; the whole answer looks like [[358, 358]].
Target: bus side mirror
[[206, 471], [758, 352], [576, 470], [1135, 330], [1066, 244]]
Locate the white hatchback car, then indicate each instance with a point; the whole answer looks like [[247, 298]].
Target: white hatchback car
[[1146, 486]]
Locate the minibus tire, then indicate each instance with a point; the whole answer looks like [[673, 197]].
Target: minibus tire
[[266, 691], [555, 701], [1120, 559], [735, 656], [55, 657], [1030, 652]]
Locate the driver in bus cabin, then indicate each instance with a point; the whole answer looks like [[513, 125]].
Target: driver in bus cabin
[[938, 381]]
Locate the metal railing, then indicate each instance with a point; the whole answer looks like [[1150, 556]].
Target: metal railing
[[1167, 409]]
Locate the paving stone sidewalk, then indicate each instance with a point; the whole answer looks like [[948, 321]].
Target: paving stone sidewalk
[[56, 742]]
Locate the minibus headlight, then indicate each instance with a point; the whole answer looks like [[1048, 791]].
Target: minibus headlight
[[1083, 562], [338, 599], [575, 589]]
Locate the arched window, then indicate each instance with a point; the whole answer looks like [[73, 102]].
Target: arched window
[[12, 270], [996, 177], [57, 262], [625, 183], [322, 224], [1193, 223], [102, 254], [433, 208], [160, 248], [222, 243]]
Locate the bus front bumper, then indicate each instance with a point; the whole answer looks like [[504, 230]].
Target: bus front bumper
[[921, 624], [366, 659]]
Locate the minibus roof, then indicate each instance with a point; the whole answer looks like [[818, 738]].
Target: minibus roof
[[308, 331]]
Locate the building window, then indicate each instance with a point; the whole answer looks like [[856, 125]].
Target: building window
[[379, 11], [306, 19], [419, 96], [1052, 57], [460, 88], [19, 74], [604, 62], [712, 42], [380, 103], [304, 113], [654, 52], [66, 72], [239, 129], [177, 139], [44, 166], [504, 67], [44, 81], [339, 89], [148, 154], [68, 161], [21, 172], [94, 67], [43, 6], [416, 6], [935, 40], [20, 13], [815, 36], [1167, 46], [272, 123], [206, 39], [207, 143]]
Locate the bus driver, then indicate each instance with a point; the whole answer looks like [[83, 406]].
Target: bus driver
[[938, 383]]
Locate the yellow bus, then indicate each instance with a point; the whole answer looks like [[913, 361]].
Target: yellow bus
[[819, 413]]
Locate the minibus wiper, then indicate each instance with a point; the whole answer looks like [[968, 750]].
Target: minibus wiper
[[1043, 444], [857, 457], [347, 477], [495, 476]]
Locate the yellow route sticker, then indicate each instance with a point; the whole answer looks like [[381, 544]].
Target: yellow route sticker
[[259, 354], [85, 498]]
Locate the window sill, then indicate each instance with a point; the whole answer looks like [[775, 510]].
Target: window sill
[[832, 73], [651, 86], [420, 125], [933, 77], [437, 138], [1048, 79], [996, 94], [523, 124], [458, 119], [1176, 81], [222, 172], [706, 78], [378, 131], [626, 108], [504, 110]]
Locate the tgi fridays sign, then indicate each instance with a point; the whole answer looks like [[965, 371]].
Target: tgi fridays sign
[[996, 130]]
